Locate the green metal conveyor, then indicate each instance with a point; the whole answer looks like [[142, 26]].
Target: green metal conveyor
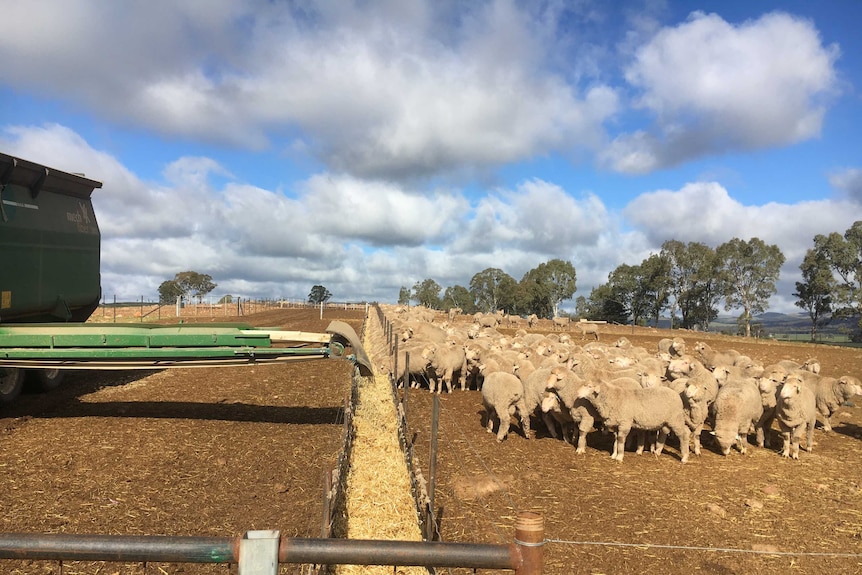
[[148, 346]]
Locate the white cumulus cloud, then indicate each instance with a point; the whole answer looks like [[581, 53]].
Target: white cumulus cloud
[[714, 87]]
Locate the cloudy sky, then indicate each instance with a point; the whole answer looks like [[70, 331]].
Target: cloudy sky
[[369, 145]]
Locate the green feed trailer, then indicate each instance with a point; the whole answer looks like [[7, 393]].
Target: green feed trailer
[[49, 241], [50, 285]]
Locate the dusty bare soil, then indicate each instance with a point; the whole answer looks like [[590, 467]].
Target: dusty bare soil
[[219, 452]]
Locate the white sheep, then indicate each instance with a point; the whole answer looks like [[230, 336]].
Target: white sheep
[[503, 397], [442, 364], [712, 358], [588, 328], [830, 394], [553, 406], [561, 322], [648, 409], [736, 408], [564, 384], [769, 389], [797, 413], [673, 347]]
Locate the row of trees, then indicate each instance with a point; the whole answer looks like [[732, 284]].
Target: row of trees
[[540, 291], [689, 281], [192, 284]]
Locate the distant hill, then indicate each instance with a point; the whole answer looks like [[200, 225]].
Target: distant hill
[[778, 324]]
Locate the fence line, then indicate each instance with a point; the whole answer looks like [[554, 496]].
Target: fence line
[[124, 310]]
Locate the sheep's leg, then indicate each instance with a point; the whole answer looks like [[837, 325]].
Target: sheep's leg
[[622, 434], [489, 419], [447, 379], [810, 438], [505, 413], [568, 431], [550, 424], [684, 435], [761, 437], [660, 441], [697, 431], [785, 448], [524, 415], [794, 442], [641, 441], [742, 440]]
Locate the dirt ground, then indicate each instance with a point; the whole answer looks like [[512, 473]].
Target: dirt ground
[[216, 452]]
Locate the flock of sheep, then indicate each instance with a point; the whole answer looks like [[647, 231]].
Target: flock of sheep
[[576, 386]]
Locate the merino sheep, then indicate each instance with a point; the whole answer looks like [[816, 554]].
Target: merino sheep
[[565, 384], [769, 390], [712, 358], [503, 397], [673, 347], [443, 362], [561, 322], [830, 394], [648, 409], [797, 413], [553, 406], [737, 408], [588, 328]]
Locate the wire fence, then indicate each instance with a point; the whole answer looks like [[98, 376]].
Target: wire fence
[[119, 309]]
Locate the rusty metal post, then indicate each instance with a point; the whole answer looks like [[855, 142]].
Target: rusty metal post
[[529, 542], [395, 366], [432, 467], [406, 381]]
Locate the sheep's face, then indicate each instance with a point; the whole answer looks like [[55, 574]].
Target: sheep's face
[[555, 378], [693, 391], [679, 366], [791, 388], [551, 402], [587, 391], [726, 437], [851, 381]]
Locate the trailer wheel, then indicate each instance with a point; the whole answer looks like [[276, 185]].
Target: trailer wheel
[[44, 380], [11, 383]]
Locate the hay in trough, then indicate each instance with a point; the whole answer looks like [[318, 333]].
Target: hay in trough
[[379, 503]]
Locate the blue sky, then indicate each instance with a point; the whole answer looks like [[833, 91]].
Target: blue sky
[[366, 146]]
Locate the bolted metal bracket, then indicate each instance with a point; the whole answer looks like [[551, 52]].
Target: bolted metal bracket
[[258, 553]]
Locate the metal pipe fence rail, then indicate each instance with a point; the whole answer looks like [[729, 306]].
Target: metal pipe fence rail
[[260, 552]]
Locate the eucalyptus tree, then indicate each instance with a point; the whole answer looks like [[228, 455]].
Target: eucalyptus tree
[[843, 255], [427, 293], [460, 297], [815, 290], [319, 294], [605, 304], [750, 270], [655, 284], [188, 284], [404, 296], [695, 282], [547, 285], [491, 288]]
